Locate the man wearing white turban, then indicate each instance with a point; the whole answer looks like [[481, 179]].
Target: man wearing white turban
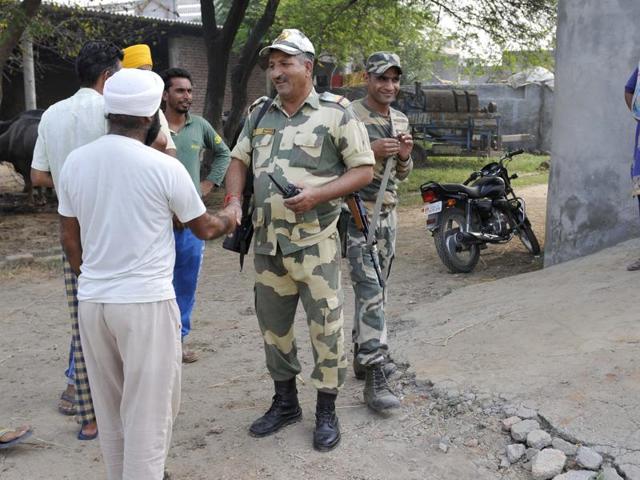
[[116, 198]]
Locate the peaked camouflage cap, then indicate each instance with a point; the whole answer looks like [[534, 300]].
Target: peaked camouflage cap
[[292, 42], [380, 62]]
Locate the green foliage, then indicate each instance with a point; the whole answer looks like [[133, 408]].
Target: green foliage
[[457, 169], [63, 29]]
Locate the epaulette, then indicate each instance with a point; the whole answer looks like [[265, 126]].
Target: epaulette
[[258, 102], [332, 97]]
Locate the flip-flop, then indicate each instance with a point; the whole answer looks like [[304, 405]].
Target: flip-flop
[[82, 436], [11, 443], [67, 410]]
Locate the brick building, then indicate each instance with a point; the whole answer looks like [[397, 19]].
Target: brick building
[[173, 44]]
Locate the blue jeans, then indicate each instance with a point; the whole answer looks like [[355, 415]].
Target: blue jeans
[[70, 372], [189, 252]]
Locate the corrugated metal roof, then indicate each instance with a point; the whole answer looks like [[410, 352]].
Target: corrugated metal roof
[[105, 10]]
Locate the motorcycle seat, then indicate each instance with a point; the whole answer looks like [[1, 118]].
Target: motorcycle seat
[[471, 192]]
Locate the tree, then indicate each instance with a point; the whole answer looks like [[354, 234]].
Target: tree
[[16, 19], [219, 43]]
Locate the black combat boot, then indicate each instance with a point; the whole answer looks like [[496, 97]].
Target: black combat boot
[[360, 371], [284, 410], [377, 393], [326, 436]]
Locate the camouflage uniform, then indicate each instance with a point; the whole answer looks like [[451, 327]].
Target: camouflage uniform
[[369, 327], [297, 255]]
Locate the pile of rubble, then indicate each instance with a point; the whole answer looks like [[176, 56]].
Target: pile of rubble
[[548, 457], [533, 445]]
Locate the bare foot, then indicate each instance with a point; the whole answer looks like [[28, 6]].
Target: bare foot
[[9, 437]]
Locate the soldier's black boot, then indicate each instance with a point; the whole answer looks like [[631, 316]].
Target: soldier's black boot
[[360, 371], [326, 436], [377, 393], [284, 410]]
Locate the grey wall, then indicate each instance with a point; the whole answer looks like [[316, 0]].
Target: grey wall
[[527, 109], [589, 205]]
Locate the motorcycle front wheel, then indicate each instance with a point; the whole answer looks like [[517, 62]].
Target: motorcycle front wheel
[[528, 238], [458, 258]]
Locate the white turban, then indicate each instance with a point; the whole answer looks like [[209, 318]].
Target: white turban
[[133, 92]]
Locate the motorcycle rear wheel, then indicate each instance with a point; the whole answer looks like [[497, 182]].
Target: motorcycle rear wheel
[[456, 257], [528, 238]]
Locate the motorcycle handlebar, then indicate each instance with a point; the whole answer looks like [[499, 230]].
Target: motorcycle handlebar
[[516, 152]]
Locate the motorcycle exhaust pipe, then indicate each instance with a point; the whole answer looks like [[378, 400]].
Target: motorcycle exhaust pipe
[[476, 238]]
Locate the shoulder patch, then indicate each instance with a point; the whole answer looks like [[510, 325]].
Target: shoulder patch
[[257, 103], [333, 98]]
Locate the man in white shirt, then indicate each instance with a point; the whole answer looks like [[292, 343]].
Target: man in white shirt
[[116, 198], [65, 126]]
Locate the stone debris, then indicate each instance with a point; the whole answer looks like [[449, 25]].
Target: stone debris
[[471, 442], [444, 444], [531, 452], [521, 429], [527, 413], [507, 423], [505, 463], [515, 452], [577, 475], [609, 473], [539, 439], [568, 448], [588, 458], [548, 463]]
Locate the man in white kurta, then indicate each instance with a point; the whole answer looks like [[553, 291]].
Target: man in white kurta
[[116, 198]]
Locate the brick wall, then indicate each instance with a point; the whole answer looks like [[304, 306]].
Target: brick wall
[[188, 52]]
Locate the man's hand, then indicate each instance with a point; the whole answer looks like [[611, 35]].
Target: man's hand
[[206, 186], [230, 217], [235, 207], [406, 145], [306, 200], [385, 147], [177, 224]]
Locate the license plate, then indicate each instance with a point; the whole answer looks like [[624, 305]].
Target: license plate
[[431, 208]]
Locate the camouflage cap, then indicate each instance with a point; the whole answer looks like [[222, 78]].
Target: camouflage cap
[[292, 42], [380, 62]]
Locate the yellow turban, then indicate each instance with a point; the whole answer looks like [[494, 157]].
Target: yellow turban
[[136, 56]]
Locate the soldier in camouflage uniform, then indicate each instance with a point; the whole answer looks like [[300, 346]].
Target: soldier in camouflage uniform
[[391, 141], [314, 142]]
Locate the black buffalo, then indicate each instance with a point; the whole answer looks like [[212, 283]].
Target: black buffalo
[[17, 142]]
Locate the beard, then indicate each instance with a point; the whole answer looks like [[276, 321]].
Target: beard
[[153, 131]]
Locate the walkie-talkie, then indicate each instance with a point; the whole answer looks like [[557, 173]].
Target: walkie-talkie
[[288, 191]]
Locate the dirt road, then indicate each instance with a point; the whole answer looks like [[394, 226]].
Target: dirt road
[[228, 387]]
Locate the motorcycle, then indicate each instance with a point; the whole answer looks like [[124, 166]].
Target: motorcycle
[[464, 218]]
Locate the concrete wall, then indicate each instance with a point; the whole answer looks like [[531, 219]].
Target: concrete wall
[[589, 205], [527, 109]]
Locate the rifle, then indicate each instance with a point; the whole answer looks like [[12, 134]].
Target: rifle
[[359, 214], [240, 240]]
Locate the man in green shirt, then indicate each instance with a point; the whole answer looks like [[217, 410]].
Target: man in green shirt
[[192, 135]]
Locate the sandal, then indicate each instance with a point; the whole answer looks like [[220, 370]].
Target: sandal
[[189, 356], [10, 437], [68, 408]]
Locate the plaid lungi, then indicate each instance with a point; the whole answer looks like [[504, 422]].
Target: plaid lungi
[[84, 404]]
